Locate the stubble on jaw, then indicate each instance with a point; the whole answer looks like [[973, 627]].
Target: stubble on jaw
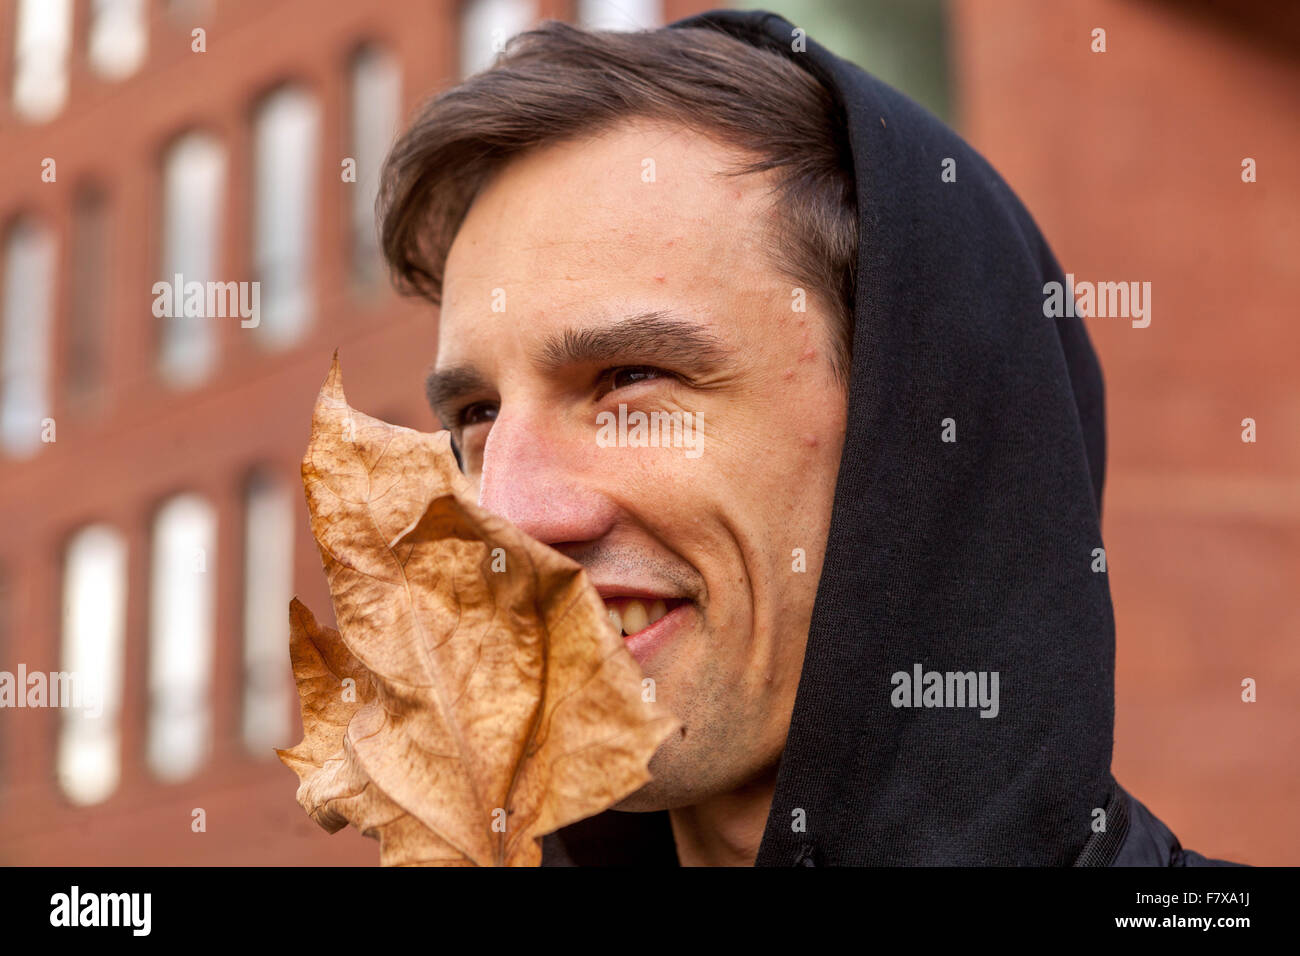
[[684, 768]]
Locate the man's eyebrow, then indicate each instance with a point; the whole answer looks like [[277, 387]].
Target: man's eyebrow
[[648, 336], [444, 387], [658, 336]]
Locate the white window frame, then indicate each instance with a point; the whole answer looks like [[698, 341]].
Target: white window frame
[[182, 605], [93, 649]]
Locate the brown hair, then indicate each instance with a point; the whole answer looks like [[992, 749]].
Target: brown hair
[[557, 82]]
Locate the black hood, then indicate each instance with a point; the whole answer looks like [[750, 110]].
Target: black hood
[[968, 555]]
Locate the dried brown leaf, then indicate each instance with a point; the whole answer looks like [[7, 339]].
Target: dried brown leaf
[[491, 702]]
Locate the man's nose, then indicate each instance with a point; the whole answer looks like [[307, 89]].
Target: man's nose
[[537, 479]]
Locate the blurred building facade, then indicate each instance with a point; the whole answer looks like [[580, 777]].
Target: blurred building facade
[[1134, 164], [150, 501], [157, 538]]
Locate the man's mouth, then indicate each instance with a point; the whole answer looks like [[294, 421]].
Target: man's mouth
[[631, 615]]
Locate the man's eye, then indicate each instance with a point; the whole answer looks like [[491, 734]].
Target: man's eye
[[476, 413], [629, 375]]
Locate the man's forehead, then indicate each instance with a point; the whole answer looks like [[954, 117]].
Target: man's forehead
[[627, 205], [588, 328]]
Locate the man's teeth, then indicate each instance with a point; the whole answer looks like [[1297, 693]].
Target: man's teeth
[[634, 617], [630, 615]]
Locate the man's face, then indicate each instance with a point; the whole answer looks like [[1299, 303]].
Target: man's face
[[624, 270]]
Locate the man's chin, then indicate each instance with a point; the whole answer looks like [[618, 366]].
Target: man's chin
[[665, 790], [644, 800]]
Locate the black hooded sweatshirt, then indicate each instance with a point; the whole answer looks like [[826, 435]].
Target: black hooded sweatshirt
[[970, 554]]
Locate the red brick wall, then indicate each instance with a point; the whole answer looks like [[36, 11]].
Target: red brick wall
[[1130, 161]]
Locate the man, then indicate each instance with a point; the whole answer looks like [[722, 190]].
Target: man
[[867, 586]]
